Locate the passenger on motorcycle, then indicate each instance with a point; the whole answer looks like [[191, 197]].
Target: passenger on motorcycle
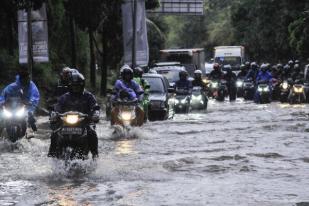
[[128, 89], [30, 97], [78, 100], [285, 74]]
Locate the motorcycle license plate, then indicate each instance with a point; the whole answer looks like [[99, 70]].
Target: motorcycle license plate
[[72, 131]]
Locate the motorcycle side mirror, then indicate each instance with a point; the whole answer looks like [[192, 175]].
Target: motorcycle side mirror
[[171, 90]]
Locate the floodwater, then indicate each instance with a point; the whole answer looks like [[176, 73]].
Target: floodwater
[[235, 154]]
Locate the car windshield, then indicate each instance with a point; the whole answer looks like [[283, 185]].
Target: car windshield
[[156, 84], [233, 61], [170, 72]]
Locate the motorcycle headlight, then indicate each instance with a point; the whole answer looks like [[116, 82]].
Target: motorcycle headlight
[[239, 83], [214, 85], [20, 112], [7, 113], [183, 101], [198, 98], [176, 101], [71, 119], [266, 89], [126, 116], [260, 89], [299, 89], [285, 85]]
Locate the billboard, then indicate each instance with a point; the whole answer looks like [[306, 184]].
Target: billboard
[[183, 7], [39, 35]]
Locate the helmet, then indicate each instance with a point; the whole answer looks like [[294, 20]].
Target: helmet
[[65, 75], [198, 74], [126, 72], [254, 65], [243, 67], [290, 62], [264, 67], [216, 66], [286, 68], [279, 66], [297, 61], [247, 64], [77, 84], [138, 72], [183, 75], [227, 68], [152, 71], [296, 67]]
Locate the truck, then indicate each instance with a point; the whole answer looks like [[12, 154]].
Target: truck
[[232, 55], [191, 59]]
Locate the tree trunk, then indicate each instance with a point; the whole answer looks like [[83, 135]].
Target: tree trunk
[[104, 67], [92, 60], [73, 42]]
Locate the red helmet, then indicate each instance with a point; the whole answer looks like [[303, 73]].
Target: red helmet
[[216, 66]]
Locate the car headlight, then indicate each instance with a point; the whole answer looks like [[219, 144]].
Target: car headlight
[[71, 119], [239, 83], [20, 112], [7, 113], [126, 116]]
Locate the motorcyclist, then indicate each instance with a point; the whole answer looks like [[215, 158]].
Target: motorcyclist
[[263, 77], [230, 78], [198, 81], [30, 94], [297, 74], [253, 71], [127, 88], [62, 86], [247, 65], [138, 74], [216, 74], [285, 74], [183, 82], [243, 71], [80, 100]]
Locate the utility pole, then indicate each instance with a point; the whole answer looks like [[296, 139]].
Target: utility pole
[[134, 14], [29, 32]]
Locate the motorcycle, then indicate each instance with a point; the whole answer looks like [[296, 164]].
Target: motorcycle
[[276, 91], [248, 89], [126, 115], [14, 114], [221, 90], [182, 101], [71, 132], [264, 93], [297, 94], [285, 91], [198, 99]]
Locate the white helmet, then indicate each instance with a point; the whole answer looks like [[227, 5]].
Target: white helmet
[[197, 72]]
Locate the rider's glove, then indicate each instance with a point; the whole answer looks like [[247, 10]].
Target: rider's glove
[[95, 116]]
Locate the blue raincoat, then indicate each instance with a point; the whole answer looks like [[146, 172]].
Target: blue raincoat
[[132, 88], [31, 94]]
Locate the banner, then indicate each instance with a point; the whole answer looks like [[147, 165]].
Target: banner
[[141, 42], [39, 35]]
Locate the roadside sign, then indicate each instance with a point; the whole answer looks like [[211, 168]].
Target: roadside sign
[[183, 7]]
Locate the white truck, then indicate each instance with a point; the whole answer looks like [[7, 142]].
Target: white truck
[[232, 55]]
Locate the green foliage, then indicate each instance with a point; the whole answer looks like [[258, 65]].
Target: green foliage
[[152, 4]]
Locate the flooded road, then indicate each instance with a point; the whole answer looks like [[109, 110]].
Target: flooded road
[[235, 154]]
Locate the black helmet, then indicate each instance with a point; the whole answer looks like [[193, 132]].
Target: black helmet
[[227, 68], [126, 73], [290, 62], [243, 67], [77, 83], [138, 72], [183, 75], [216, 66], [254, 65], [279, 66], [24, 76], [247, 64], [198, 74]]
